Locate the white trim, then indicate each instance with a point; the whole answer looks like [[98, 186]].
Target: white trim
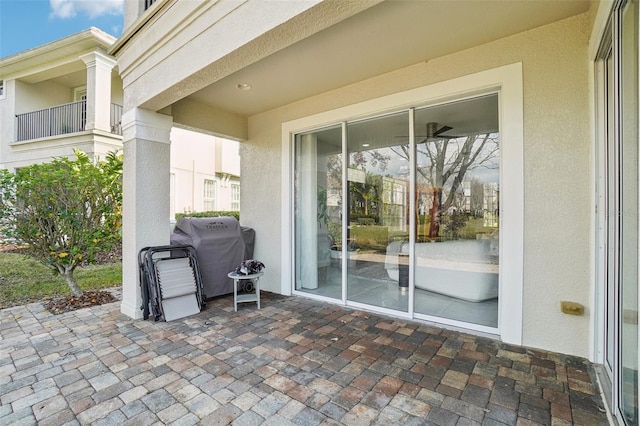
[[345, 197], [507, 80], [492, 331], [317, 297], [512, 214], [286, 215], [598, 180], [601, 20], [378, 309], [597, 332], [412, 208]]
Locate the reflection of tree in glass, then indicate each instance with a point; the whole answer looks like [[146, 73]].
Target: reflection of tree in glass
[[361, 160], [477, 196], [366, 196], [443, 164]]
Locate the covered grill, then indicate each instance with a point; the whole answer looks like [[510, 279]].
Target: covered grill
[[220, 244]]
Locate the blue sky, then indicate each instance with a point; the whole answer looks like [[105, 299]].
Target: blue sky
[[25, 24]]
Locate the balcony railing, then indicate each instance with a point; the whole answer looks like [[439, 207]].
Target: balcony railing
[[116, 119], [60, 120]]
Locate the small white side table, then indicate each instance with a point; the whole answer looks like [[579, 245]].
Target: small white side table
[[251, 297]]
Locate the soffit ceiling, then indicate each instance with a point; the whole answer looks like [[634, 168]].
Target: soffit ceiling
[[386, 37]]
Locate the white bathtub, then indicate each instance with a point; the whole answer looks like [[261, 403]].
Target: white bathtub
[[464, 269]]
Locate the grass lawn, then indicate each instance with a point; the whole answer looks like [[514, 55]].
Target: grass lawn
[[24, 280]]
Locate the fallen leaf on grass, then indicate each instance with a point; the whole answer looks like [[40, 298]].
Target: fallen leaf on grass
[[71, 303]]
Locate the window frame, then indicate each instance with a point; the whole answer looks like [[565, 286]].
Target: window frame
[[208, 186], [235, 197]]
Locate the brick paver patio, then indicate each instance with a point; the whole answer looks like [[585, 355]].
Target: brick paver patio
[[295, 361]]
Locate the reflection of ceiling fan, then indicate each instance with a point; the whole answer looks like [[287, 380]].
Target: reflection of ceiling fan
[[435, 133]]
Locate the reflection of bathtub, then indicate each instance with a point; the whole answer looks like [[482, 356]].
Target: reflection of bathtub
[[464, 269]]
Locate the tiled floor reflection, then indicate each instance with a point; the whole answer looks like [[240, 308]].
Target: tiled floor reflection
[[369, 283]]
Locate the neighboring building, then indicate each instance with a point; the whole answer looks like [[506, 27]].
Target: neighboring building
[[68, 94], [63, 95], [545, 93], [205, 173]]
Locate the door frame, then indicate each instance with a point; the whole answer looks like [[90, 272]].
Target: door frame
[[505, 80], [605, 37]]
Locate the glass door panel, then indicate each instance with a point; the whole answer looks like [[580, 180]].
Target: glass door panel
[[378, 212], [457, 211], [611, 224], [629, 212], [317, 215]]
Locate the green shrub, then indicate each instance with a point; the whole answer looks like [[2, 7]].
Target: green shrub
[[219, 213], [371, 237], [363, 219], [65, 211]]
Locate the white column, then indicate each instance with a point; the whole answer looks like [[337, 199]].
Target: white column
[[145, 208], [99, 68]]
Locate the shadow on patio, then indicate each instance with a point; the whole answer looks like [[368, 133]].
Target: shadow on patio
[[295, 361]]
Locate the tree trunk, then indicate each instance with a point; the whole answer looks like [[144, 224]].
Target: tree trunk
[[71, 282], [434, 226]]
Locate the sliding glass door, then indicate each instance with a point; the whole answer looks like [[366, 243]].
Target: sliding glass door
[[628, 74], [457, 211], [378, 208], [318, 211], [618, 209], [400, 212]]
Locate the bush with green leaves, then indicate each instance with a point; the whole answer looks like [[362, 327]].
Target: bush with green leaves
[[217, 213], [65, 211]]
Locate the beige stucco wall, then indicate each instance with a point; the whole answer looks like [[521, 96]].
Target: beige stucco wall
[[116, 90], [556, 166], [32, 97]]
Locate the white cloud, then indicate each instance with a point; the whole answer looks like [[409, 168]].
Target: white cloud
[[92, 8]]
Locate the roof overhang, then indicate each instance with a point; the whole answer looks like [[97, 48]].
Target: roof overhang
[[325, 46], [54, 59], [383, 38]]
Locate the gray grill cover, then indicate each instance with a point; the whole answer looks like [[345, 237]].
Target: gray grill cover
[[220, 247]]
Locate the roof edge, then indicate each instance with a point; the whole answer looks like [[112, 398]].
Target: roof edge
[[133, 29], [102, 39]]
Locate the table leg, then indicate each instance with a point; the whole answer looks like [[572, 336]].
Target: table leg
[[258, 291], [235, 294]]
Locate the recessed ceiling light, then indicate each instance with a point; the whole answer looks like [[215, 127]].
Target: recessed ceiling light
[[244, 86], [365, 145]]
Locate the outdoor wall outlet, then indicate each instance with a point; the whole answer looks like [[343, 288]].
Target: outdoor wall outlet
[[572, 308]]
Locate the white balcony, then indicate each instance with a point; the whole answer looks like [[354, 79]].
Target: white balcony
[[60, 120]]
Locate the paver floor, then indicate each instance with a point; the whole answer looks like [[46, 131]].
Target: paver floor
[[295, 361]]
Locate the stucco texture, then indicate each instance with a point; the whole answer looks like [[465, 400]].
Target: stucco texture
[[556, 167]]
